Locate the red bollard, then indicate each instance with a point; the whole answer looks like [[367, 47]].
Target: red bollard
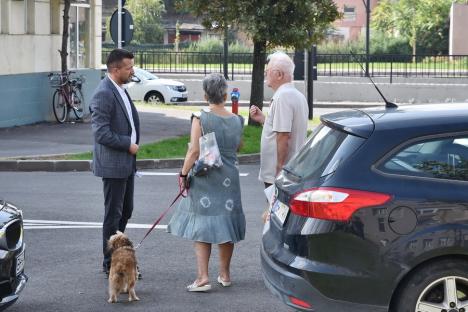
[[235, 95]]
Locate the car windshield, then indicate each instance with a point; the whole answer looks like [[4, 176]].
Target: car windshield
[[144, 75], [325, 149]]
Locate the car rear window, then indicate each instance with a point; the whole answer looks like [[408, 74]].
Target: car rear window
[[323, 152], [443, 158]]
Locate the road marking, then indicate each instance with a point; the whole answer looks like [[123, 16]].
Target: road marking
[[50, 224], [148, 173]]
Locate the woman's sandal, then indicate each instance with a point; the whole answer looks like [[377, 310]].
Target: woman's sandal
[[200, 288], [225, 284]]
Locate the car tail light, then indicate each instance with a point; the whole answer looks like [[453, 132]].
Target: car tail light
[[334, 203], [299, 302]]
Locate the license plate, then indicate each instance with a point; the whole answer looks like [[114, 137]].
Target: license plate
[[184, 95], [20, 263], [280, 210]]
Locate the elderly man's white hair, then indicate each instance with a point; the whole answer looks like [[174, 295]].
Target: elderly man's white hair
[[281, 61]]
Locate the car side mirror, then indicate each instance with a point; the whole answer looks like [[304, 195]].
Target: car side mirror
[[135, 79]]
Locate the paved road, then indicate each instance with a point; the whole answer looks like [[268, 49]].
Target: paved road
[[53, 138], [63, 261]]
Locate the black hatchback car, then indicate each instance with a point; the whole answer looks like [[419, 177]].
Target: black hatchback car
[[12, 249], [372, 214]]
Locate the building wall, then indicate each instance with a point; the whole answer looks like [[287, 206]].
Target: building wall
[[30, 37], [27, 98], [351, 26], [458, 26]]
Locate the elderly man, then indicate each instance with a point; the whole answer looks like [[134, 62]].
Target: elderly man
[[285, 127]]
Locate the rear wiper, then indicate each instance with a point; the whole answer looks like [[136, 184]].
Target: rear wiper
[[388, 104], [289, 171]]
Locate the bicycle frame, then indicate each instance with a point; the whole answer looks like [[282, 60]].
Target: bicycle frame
[[67, 96]]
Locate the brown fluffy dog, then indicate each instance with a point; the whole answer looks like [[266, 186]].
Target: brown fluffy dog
[[123, 270]]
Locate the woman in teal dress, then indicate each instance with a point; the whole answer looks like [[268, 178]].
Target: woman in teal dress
[[212, 212]]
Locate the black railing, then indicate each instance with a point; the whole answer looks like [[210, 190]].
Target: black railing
[[389, 65], [344, 65]]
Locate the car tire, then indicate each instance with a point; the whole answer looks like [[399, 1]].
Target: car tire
[[154, 97], [437, 286]]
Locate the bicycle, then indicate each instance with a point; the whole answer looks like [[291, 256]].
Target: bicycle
[[67, 96]]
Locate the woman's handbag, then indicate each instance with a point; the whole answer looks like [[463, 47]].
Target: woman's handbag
[[210, 157]]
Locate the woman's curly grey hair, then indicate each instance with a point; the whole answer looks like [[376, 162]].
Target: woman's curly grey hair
[[215, 87]]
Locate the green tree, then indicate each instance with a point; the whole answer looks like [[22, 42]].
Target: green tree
[[147, 20], [270, 23], [423, 23]]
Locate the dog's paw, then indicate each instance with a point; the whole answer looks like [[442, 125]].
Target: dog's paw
[[111, 300], [130, 299]]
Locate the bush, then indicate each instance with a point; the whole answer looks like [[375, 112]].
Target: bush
[[382, 44], [341, 47], [216, 46], [379, 44]]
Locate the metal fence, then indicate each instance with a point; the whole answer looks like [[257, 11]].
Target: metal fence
[[344, 65], [390, 65]]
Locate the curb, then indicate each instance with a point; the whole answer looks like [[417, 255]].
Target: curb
[[343, 105], [85, 165]]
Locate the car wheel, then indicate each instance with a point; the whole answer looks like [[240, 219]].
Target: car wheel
[[440, 286], [154, 97]]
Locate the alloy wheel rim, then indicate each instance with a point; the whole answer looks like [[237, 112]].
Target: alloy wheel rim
[[154, 99], [446, 294]]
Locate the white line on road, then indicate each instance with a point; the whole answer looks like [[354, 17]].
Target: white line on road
[[147, 173], [50, 224]]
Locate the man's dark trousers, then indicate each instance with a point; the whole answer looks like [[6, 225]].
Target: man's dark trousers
[[118, 203]]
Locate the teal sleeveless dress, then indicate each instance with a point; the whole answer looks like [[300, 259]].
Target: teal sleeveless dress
[[212, 211]]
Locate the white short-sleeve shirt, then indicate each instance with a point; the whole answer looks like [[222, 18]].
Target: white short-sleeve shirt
[[288, 113]]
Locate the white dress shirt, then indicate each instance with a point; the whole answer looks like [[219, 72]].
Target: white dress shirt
[[126, 101]]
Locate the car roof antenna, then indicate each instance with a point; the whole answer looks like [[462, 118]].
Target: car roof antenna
[[387, 103]]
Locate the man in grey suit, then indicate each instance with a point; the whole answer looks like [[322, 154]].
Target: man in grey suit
[[116, 130]]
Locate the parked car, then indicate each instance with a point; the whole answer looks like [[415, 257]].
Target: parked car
[[372, 214], [148, 87], [12, 249]]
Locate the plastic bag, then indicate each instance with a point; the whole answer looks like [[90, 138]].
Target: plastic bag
[[210, 157]]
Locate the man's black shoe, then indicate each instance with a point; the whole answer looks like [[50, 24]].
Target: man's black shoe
[[106, 270], [139, 273]]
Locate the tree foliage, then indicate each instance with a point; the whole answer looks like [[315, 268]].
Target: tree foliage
[[423, 23], [147, 20], [270, 23]]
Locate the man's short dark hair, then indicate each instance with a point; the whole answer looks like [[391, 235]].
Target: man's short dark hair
[[117, 56]]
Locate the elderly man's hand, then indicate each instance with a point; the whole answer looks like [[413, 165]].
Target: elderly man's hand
[[256, 114]]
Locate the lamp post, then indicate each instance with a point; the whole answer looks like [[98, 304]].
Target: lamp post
[[367, 6], [225, 53]]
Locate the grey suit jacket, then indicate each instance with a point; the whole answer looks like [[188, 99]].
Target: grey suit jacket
[[112, 132]]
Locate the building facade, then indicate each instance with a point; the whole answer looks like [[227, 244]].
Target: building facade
[[30, 37], [353, 23]]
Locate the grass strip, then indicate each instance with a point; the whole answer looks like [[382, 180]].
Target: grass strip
[[177, 147]]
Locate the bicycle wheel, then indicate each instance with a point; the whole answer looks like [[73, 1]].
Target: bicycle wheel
[[60, 106], [77, 103]]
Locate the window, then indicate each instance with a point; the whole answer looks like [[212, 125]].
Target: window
[[441, 159], [79, 35], [349, 13], [323, 152]]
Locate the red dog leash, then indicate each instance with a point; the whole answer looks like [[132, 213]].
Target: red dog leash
[[183, 193]]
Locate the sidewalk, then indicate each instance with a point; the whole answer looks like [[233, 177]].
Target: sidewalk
[[26, 148]]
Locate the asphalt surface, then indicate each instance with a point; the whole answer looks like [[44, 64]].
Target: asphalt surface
[[63, 256], [76, 137]]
